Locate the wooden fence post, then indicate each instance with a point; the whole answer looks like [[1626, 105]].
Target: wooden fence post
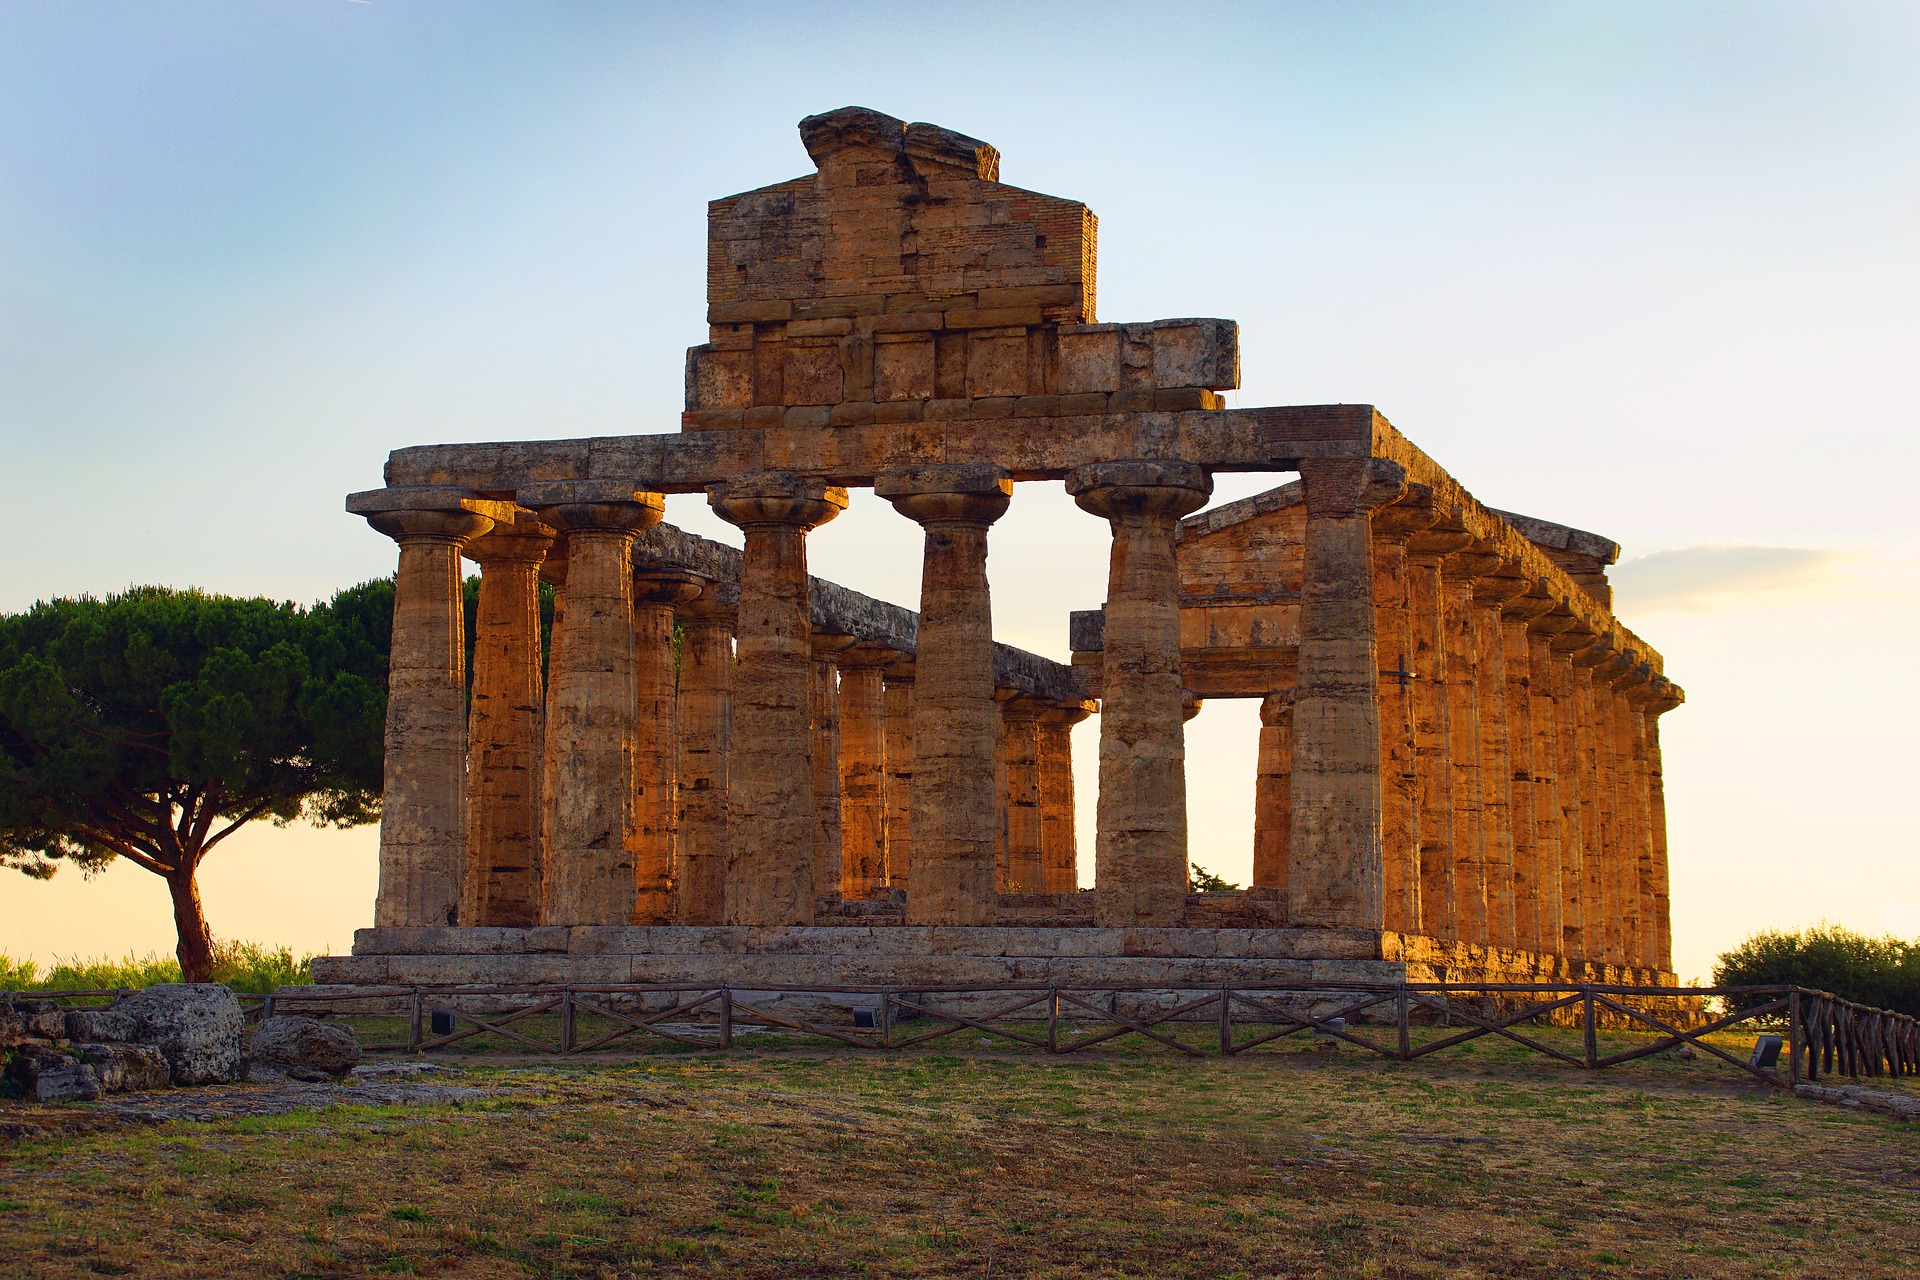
[[1587, 1025], [726, 1016], [1793, 1036], [1226, 1019], [1403, 1021], [1053, 1019], [566, 1019], [413, 1027]]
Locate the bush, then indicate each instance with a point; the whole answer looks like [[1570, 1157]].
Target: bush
[[244, 966], [1204, 881], [1881, 972]]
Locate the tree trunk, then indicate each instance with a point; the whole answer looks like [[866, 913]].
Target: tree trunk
[[195, 949]]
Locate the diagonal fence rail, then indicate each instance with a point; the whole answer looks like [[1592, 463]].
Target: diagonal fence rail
[[1820, 1034]]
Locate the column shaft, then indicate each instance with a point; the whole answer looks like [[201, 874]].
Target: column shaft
[[1059, 851], [1026, 866], [823, 693], [1657, 836], [706, 716], [504, 730], [1433, 742], [1496, 774], [1598, 925], [863, 773], [1549, 897], [1336, 865], [1463, 714], [1581, 944], [656, 741], [1273, 793], [1401, 818], [1521, 810], [899, 735]]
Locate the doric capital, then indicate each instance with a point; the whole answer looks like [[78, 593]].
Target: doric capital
[[1475, 562], [1276, 709], [666, 586], [594, 506], [1527, 608], [1189, 705], [1342, 487], [429, 513], [1445, 534], [523, 541], [827, 646], [1498, 592], [1022, 706], [776, 498], [1067, 714], [901, 670], [973, 494], [1666, 696], [1412, 513], [867, 653], [1114, 490]]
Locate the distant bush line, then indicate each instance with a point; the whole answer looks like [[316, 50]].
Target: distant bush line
[[244, 966], [1881, 972]]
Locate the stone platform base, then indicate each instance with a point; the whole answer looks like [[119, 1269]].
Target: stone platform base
[[855, 955]]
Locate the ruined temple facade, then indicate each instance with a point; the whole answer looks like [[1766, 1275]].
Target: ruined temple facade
[[724, 768]]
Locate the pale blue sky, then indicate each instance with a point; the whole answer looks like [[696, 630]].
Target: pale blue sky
[[1645, 268]]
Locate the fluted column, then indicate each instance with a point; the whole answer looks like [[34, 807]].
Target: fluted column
[[1666, 697], [770, 810], [898, 700], [1490, 595], [1059, 846], [1466, 734], [1599, 927], [1336, 874], [863, 771], [423, 841], [1603, 872], [504, 729], [823, 693], [706, 735], [1580, 923], [1002, 869], [1629, 682], [656, 740], [1140, 867], [1548, 818], [592, 861], [1401, 819], [954, 801], [1529, 872], [1433, 723], [1026, 868], [1273, 793]]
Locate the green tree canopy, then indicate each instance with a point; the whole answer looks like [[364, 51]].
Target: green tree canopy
[[153, 724], [1881, 972]]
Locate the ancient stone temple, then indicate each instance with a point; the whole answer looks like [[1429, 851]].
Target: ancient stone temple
[[723, 768]]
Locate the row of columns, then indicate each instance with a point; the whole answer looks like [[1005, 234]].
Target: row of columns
[[1521, 802]]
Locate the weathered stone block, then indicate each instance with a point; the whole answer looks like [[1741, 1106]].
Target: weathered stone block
[[305, 1048], [104, 1026], [198, 1026], [1089, 357], [813, 374], [719, 379], [1196, 353], [903, 367], [997, 365], [127, 1068]]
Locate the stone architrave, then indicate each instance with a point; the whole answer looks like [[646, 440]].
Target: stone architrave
[[1401, 817], [657, 593], [898, 703], [1336, 874], [423, 841], [1026, 870], [1273, 793], [1059, 852], [863, 771], [823, 700], [1464, 686], [706, 724], [1433, 723], [954, 800], [592, 859], [504, 729], [770, 809], [1490, 595], [1140, 869]]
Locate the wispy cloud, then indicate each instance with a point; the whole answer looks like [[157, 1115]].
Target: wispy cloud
[[1711, 578]]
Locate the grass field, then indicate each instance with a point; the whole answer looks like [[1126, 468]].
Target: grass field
[[802, 1162]]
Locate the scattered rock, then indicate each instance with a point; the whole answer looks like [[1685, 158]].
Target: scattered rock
[[47, 1075], [305, 1048], [1893, 1104], [127, 1068], [50, 1025], [1682, 1052], [100, 1026], [198, 1026], [403, 1070]]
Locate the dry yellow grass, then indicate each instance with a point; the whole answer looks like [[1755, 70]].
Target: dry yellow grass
[[804, 1163]]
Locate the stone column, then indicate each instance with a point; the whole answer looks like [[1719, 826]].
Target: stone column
[[1666, 698], [1140, 869], [656, 741], [423, 842], [1464, 684], [706, 735], [1273, 793], [1490, 595], [1059, 850], [1529, 875], [1603, 873], [770, 812], [1548, 818], [1598, 924], [1583, 944], [954, 802], [1433, 724], [1026, 868], [823, 694], [1628, 681], [592, 862], [1400, 817], [504, 738], [1336, 873], [554, 571], [898, 700], [1002, 872], [863, 771]]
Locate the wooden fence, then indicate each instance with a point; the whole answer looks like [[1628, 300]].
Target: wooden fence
[[1822, 1033]]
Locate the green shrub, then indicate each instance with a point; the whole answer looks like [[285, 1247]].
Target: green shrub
[[1204, 881], [244, 966], [1881, 972]]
